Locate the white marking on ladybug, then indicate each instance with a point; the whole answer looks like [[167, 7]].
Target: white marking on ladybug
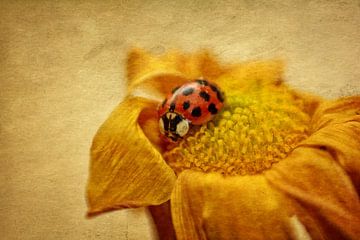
[[182, 127]]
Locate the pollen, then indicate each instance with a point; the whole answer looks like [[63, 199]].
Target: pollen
[[256, 129]]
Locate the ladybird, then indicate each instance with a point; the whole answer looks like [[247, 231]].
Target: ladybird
[[193, 103]]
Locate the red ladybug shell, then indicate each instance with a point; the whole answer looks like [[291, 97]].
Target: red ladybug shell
[[196, 101]]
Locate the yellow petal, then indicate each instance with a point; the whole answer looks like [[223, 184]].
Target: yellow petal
[[250, 75], [158, 75], [309, 103], [210, 206], [339, 111], [126, 170], [322, 173], [149, 122], [337, 129]]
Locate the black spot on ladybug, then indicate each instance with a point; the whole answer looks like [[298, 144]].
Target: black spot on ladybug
[[186, 105], [166, 122], [205, 95], [172, 107], [220, 96], [163, 103], [218, 93], [174, 90], [202, 82], [188, 91], [196, 112], [214, 88], [212, 108]]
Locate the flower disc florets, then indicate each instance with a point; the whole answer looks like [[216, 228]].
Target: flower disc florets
[[257, 128]]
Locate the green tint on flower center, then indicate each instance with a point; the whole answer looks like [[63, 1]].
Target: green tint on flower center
[[258, 127]]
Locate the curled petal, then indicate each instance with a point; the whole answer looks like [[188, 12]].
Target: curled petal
[[321, 175], [158, 75], [340, 111], [210, 206], [149, 122], [126, 170], [252, 75], [336, 127]]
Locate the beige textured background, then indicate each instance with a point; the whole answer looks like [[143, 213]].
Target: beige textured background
[[62, 72]]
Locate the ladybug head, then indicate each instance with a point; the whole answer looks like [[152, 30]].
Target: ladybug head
[[173, 125]]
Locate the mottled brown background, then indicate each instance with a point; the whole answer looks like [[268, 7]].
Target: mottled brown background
[[62, 72]]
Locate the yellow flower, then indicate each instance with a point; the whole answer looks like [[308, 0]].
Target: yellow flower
[[274, 164]]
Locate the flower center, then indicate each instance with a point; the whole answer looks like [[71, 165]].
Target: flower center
[[257, 128]]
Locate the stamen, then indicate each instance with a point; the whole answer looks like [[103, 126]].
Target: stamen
[[255, 130]]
